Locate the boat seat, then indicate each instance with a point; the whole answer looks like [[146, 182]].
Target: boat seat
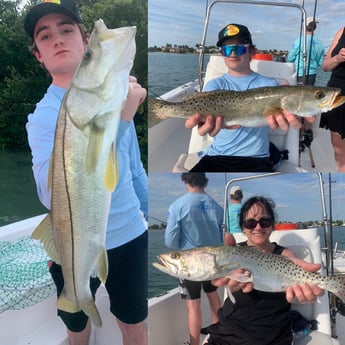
[[285, 74], [306, 245]]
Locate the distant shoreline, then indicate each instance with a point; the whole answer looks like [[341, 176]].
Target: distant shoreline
[[175, 49]]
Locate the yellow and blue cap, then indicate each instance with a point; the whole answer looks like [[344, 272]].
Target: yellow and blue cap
[[238, 31], [66, 7]]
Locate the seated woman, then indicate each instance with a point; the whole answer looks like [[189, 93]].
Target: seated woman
[[259, 317]]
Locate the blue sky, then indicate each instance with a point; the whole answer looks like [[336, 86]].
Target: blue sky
[[181, 22], [297, 196]]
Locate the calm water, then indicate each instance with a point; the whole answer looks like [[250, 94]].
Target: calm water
[[167, 71], [18, 198]]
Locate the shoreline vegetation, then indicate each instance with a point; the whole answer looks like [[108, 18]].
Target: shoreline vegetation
[[299, 225], [185, 49]]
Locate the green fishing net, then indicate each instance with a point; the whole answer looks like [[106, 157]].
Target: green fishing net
[[24, 276]]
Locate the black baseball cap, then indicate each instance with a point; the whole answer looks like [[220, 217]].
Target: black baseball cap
[[234, 31], [66, 7]]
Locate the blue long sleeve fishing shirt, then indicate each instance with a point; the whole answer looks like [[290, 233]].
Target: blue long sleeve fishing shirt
[[194, 220], [317, 54]]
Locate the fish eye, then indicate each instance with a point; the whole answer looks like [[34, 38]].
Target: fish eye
[[88, 55], [175, 256], [319, 94]]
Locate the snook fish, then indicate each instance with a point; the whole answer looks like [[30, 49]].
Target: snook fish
[[249, 108], [83, 169], [269, 272]]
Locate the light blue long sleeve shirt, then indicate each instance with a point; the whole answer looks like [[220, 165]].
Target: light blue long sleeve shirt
[[244, 141], [317, 54], [233, 218], [194, 220], [129, 200]]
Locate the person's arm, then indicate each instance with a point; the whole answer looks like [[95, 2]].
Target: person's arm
[[41, 131], [172, 235], [331, 62], [307, 292], [303, 293], [139, 177], [293, 53], [320, 55]]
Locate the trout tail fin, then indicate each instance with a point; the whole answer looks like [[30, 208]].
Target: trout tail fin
[[339, 288], [155, 111]]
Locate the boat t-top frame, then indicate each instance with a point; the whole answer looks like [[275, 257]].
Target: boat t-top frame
[[248, 2]]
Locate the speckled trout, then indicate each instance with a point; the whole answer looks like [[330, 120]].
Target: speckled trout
[[83, 170], [269, 272], [249, 108]]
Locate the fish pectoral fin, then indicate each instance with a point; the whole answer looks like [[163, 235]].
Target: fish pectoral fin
[[111, 173], [44, 234], [101, 269], [240, 277], [94, 148], [271, 109]]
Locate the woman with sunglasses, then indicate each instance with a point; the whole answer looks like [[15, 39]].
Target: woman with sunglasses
[[238, 148], [259, 317]]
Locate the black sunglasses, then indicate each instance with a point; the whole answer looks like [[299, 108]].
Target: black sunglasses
[[251, 223]]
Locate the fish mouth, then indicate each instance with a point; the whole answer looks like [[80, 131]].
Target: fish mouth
[[165, 265], [337, 101]]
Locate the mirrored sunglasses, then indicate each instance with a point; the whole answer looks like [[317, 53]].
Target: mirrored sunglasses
[[239, 49], [251, 223]]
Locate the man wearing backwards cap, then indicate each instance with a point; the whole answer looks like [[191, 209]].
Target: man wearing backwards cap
[[59, 41], [315, 54], [237, 148]]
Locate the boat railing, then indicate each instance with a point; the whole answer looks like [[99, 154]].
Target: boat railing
[[249, 2]]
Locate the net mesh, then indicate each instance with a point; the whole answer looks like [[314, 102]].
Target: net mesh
[[24, 276]]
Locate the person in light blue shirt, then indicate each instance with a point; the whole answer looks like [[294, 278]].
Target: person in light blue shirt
[[234, 209], [236, 148], [314, 58], [195, 220], [59, 41]]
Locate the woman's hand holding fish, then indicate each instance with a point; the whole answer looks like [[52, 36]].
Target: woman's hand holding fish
[[304, 293], [233, 284], [136, 96], [284, 119]]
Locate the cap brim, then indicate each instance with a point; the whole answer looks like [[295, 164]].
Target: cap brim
[[41, 10]]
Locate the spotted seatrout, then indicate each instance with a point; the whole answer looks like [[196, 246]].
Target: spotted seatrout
[[249, 108], [83, 170], [269, 272]]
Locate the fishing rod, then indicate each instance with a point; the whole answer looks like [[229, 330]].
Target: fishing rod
[[311, 38]]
